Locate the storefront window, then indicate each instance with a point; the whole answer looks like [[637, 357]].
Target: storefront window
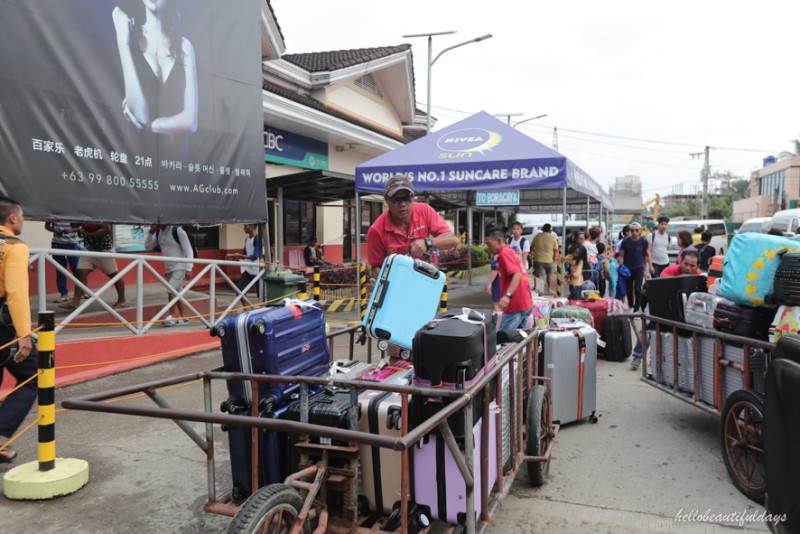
[[299, 222]]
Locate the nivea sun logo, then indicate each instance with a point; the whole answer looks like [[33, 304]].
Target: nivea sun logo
[[469, 140]]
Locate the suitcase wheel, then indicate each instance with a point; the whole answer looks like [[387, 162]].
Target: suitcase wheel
[[383, 344], [405, 354], [258, 328], [393, 419], [218, 331]]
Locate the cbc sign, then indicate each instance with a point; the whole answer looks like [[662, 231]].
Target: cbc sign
[[272, 141]]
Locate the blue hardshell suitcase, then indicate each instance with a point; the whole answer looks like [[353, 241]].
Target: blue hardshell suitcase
[[272, 453], [750, 266], [406, 296], [281, 340]]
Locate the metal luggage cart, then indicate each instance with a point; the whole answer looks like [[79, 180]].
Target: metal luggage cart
[[301, 501], [735, 395]]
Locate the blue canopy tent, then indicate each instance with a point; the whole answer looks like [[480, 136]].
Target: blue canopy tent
[[481, 153]]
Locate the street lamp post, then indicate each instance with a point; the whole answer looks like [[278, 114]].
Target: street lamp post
[[432, 60], [526, 120]]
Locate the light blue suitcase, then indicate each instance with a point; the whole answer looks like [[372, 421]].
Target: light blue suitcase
[[748, 272], [406, 296]]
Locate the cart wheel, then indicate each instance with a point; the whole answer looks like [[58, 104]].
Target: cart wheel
[[272, 508], [742, 444], [405, 354], [383, 344], [537, 428]]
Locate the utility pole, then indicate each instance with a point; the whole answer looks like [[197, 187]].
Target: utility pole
[[555, 138], [704, 174]]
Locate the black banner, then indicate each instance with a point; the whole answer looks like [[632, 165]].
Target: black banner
[[133, 112]]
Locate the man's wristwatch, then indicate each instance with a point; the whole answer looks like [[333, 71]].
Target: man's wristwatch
[[508, 295], [428, 244]]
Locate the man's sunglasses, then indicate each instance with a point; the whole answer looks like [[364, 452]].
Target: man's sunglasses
[[399, 201]]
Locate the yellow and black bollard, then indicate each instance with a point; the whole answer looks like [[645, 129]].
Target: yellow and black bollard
[[47, 392], [316, 283], [302, 291], [48, 477], [363, 284], [443, 300]]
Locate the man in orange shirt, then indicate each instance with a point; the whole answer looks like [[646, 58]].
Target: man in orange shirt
[[407, 226], [19, 358]]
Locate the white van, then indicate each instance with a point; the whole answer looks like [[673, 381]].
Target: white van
[[756, 224], [786, 221], [719, 234]]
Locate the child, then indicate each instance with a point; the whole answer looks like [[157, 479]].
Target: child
[[577, 258], [613, 268], [623, 275], [603, 267], [494, 285]]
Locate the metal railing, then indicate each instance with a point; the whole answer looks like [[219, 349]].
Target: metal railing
[[139, 264]]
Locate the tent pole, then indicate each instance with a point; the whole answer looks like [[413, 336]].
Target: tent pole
[[279, 234], [588, 213], [564, 250], [358, 230], [469, 240]]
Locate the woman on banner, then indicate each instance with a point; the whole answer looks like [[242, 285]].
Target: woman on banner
[[158, 68]]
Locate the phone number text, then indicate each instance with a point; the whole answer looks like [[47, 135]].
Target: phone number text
[[96, 178]]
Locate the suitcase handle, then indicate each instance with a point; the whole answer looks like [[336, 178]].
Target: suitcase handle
[[426, 268], [383, 286]]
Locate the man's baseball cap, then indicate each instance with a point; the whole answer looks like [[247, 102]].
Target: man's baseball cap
[[396, 184]]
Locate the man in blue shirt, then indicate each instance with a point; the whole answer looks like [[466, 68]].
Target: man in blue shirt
[[633, 254]]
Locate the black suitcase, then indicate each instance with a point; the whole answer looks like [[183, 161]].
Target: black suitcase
[[330, 407], [450, 352], [788, 347], [618, 338], [666, 295], [743, 320], [787, 280], [781, 437], [453, 340]]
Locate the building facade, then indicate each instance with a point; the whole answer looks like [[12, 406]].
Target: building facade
[[774, 187]]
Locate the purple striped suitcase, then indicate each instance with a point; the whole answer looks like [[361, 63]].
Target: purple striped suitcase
[[438, 485]]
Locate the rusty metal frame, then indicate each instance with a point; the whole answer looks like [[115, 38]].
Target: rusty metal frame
[[461, 401], [720, 362]]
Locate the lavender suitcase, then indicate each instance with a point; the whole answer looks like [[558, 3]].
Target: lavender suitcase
[[438, 485], [278, 340], [742, 320], [699, 309], [406, 296], [573, 375]]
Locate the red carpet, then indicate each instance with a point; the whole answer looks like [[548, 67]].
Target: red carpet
[[82, 360]]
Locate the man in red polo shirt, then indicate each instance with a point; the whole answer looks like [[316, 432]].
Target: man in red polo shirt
[[516, 302], [406, 225]]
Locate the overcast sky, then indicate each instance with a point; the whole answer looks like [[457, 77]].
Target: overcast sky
[[685, 73]]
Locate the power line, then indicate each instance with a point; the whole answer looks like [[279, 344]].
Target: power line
[[626, 138]]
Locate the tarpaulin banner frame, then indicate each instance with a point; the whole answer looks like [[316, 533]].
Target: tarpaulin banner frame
[[138, 111]]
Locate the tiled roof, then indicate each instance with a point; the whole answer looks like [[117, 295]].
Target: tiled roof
[[340, 59], [319, 106], [280, 32]]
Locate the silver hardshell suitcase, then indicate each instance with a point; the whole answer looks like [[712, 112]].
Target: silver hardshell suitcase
[[572, 370], [685, 361]]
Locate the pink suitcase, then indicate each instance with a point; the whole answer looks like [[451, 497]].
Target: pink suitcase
[[438, 485]]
